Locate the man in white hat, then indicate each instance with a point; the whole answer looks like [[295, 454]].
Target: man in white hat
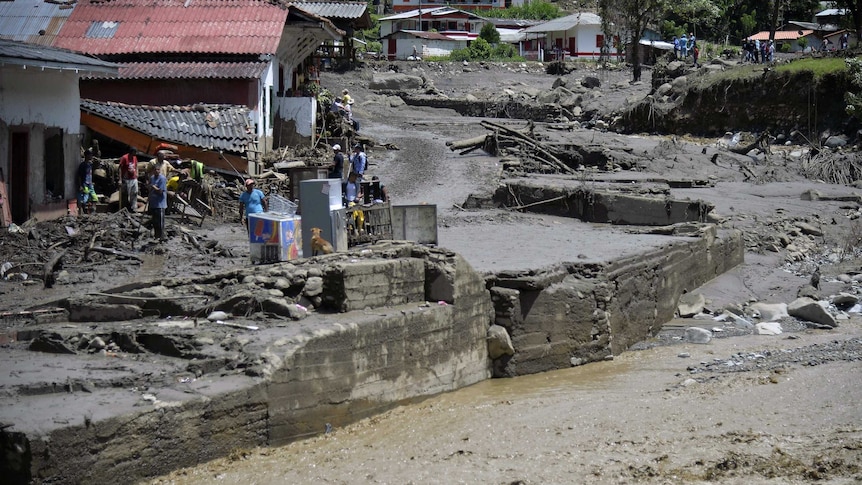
[[336, 169]]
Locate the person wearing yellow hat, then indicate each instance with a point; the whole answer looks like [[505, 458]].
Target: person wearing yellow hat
[[252, 201]]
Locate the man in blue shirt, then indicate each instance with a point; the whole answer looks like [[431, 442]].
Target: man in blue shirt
[[358, 161], [252, 201]]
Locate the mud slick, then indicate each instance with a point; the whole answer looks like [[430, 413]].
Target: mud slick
[[138, 375]]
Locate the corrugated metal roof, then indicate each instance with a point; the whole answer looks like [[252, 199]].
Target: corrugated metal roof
[[333, 10], [19, 53], [191, 70], [433, 12], [214, 127], [831, 12], [565, 23], [174, 26], [32, 21]]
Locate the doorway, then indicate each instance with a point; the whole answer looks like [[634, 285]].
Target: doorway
[[55, 166], [19, 170]]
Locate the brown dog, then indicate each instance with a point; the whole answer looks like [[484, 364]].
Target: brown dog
[[318, 244]]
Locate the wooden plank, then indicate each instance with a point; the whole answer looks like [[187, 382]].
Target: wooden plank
[[5, 210]]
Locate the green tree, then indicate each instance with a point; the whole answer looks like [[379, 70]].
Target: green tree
[[852, 97], [631, 17], [490, 33], [480, 49], [854, 7]]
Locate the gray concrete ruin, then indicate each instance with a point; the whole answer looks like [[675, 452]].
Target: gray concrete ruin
[[111, 386]]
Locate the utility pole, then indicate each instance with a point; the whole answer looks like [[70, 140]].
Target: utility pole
[[420, 15]]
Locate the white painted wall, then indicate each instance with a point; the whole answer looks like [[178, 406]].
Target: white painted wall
[[585, 36], [302, 110], [426, 48], [48, 97], [37, 99]]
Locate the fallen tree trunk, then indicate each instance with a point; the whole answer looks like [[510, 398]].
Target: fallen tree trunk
[[48, 268], [751, 146], [533, 144], [114, 252], [475, 142]]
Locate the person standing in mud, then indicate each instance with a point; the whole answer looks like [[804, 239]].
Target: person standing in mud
[[252, 201], [157, 200], [336, 170], [358, 161], [129, 180], [87, 197], [675, 42]]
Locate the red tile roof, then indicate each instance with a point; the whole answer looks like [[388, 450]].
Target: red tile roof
[[781, 34], [173, 26]]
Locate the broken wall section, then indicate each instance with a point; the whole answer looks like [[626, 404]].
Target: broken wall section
[[574, 314], [211, 389]]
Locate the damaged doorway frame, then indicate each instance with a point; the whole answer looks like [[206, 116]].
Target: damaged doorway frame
[[19, 174]]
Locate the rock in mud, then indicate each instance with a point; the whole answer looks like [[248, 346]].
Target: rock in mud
[[768, 328], [811, 311], [690, 304], [697, 335], [770, 312], [499, 343]]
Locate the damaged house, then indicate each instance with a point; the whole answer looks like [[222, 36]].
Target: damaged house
[[40, 129], [200, 56]]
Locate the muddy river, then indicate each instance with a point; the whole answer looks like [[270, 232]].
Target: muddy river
[[644, 417]]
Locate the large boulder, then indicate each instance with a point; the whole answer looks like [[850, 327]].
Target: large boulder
[[394, 81], [770, 312], [697, 335], [499, 342], [811, 311], [690, 304]]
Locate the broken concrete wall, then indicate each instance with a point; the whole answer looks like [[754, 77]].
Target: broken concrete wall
[[592, 204], [230, 388], [647, 287], [146, 440], [574, 314]]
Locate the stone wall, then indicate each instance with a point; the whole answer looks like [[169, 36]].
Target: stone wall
[[573, 314], [418, 329]]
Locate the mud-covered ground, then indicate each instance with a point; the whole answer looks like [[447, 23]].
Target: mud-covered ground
[[741, 409]]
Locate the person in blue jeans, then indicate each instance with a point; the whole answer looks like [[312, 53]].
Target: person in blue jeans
[[252, 201]]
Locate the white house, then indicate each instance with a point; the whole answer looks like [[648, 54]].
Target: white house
[[40, 125], [434, 32], [400, 45], [437, 19], [577, 35]]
